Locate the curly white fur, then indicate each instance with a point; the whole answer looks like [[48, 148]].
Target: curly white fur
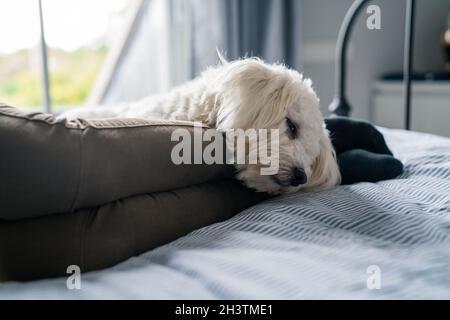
[[249, 93]]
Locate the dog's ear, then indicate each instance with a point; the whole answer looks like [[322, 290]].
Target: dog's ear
[[325, 172], [251, 95], [250, 74]]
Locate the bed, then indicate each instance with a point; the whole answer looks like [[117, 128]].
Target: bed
[[314, 245]]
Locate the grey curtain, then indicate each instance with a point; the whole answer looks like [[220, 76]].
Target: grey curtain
[[269, 29]]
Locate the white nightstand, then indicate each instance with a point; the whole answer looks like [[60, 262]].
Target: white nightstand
[[430, 110]]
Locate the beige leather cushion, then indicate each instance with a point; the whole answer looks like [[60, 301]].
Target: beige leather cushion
[[94, 193], [50, 166], [100, 237]]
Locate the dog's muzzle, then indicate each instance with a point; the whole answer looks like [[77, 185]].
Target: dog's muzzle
[[298, 177]]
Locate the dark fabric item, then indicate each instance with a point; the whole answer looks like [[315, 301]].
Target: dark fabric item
[[359, 165], [362, 152], [49, 166], [100, 237], [347, 134]]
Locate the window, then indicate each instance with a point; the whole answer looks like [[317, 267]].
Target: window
[[78, 35], [19, 56]]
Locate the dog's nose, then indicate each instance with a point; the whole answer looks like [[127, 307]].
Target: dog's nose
[[298, 177]]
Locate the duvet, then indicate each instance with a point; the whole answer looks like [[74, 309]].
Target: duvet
[[366, 241]]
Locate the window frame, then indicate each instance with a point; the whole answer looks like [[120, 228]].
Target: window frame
[[46, 98], [114, 54]]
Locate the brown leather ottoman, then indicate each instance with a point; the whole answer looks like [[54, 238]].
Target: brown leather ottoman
[[96, 192]]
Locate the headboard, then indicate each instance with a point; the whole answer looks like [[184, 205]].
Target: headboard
[[340, 105]]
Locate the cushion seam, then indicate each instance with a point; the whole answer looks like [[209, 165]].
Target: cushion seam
[[90, 125], [80, 173]]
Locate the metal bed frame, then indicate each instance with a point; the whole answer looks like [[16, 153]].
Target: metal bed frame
[[340, 105]]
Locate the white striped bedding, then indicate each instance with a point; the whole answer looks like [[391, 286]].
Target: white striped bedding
[[303, 245]]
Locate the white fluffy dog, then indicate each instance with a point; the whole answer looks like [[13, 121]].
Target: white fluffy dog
[[250, 93]]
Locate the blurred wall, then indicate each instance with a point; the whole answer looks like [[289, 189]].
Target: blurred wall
[[372, 52]]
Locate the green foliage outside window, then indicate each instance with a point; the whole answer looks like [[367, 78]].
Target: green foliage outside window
[[72, 74]]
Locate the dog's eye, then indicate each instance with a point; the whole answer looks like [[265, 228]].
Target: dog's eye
[[292, 128]]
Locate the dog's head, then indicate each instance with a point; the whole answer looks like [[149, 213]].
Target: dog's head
[[256, 95]]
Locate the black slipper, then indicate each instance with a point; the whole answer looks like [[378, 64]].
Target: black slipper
[[347, 134], [359, 165]]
